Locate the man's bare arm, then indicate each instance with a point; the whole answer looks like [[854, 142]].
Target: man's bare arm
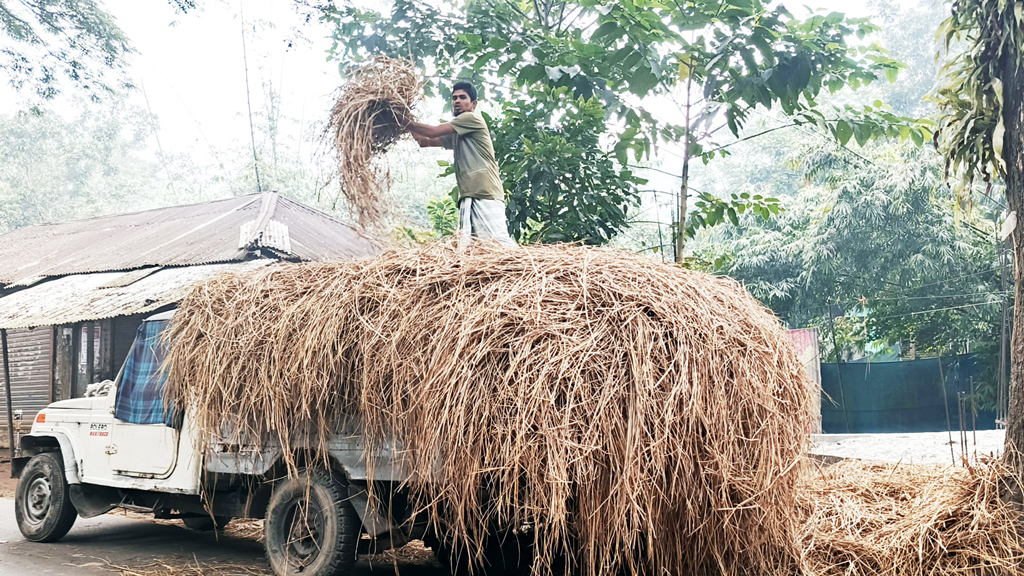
[[428, 131], [425, 142]]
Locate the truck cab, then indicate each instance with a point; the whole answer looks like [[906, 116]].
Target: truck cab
[[123, 437]]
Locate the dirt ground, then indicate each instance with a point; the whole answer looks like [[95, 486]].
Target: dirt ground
[[413, 553], [413, 558], [7, 484]]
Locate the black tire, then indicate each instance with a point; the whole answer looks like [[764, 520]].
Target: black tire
[[310, 527], [42, 505], [205, 523], [508, 555]]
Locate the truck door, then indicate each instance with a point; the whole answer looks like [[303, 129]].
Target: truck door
[[144, 435]]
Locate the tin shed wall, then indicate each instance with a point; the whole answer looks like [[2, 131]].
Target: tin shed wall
[[30, 353]]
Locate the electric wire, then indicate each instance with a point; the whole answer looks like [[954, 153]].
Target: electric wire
[[159, 146], [248, 101]]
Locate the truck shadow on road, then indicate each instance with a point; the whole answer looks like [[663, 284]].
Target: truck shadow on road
[[115, 543]]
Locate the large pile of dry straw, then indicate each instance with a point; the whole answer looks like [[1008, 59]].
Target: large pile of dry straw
[[368, 117], [638, 414], [864, 519]]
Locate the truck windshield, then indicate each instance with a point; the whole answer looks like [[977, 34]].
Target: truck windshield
[[140, 394]]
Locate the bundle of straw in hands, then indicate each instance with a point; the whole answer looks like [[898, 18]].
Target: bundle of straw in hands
[[373, 109]]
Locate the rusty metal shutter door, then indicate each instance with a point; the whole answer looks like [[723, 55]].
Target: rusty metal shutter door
[[30, 354]]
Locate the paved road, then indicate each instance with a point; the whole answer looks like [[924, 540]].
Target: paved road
[[96, 545], [911, 448]]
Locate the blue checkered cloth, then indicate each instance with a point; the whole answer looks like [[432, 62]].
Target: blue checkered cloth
[[140, 395]]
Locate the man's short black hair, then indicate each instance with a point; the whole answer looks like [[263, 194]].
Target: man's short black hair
[[470, 91]]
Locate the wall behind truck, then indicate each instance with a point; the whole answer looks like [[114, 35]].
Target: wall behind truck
[[31, 358], [81, 362], [907, 396]]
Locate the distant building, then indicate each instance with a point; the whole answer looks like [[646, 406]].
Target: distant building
[[72, 295]]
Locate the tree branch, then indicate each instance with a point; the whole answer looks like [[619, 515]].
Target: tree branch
[[751, 137], [540, 17], [561, 14]]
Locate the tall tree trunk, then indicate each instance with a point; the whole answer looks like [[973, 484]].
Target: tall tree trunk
[[684, 187], [1013, 154], [684, 191]]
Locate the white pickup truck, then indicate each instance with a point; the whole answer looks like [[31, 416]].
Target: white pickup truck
[[82, 458]]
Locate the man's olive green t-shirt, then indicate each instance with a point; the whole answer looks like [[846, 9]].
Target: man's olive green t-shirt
[[476, 171]]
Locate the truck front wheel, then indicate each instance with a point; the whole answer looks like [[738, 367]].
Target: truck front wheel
[[310, 527], [42, 505]]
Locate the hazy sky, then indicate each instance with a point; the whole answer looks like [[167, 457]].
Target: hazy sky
[[192, 69]]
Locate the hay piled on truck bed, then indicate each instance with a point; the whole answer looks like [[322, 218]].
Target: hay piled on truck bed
[[633, 411]]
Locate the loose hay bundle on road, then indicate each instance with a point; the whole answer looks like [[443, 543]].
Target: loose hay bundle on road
[[900, 520], [366, 120], [634, 411]]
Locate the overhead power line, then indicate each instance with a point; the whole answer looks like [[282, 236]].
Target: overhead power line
[[976, 304]]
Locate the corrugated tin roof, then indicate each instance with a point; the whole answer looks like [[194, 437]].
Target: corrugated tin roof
[[179, 236], [83, 297]]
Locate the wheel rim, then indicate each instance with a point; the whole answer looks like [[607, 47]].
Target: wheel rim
[[37, 499], [305, 527]]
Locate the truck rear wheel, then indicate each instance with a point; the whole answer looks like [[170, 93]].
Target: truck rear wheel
[[310, 526], [42, 506]]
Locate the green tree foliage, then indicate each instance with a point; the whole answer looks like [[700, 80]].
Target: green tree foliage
[[54, 40], [50, 42], [444, 216], [712, 210], [875, 235], [970, 95], [54, 169], [560, 185], [729, 56]]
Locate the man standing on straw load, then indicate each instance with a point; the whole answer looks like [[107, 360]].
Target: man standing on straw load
[[481, 194]]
